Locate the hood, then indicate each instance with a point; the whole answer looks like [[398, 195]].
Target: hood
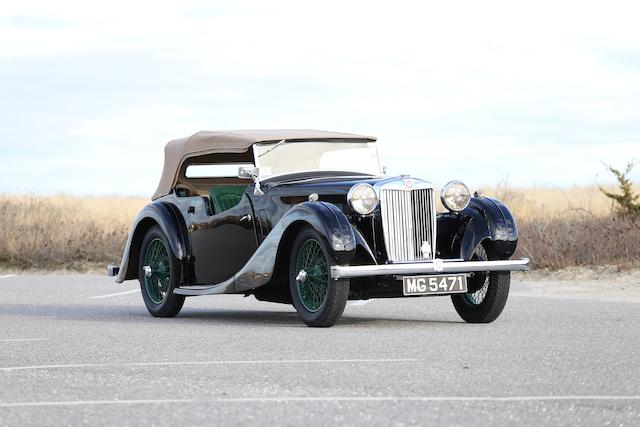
[[328, 185]]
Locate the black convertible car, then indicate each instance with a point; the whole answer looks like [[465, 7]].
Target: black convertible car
[[307, 218]]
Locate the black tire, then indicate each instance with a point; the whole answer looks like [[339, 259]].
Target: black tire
[[494, 285], [161, 302], [335, 292]]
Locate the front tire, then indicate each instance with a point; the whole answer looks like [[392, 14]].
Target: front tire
[[487, 294], [318, 299], [159, 273]]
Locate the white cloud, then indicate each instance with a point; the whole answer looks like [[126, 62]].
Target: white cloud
[[493, 80]]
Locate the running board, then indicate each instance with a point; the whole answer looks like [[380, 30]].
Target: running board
[[197, 290]]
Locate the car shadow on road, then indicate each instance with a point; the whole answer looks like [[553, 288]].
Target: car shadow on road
[[129, 314], [282, 318]]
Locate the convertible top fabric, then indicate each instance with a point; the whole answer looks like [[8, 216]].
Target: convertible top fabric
[[232, 141]]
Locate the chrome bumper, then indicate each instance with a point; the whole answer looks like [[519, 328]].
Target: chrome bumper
[[437, 266]]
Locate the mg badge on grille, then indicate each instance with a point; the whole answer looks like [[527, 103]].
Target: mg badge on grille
[[426, 249], [408, 184]]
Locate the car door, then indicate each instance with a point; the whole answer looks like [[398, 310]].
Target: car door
[[222, 241]]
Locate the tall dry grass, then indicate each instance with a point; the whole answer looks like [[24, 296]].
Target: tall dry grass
[[580, 240], [64, 231], [575, 226], [533, 203], [558, 228]]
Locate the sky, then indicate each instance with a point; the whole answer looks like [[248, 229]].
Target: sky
[[534, 94]]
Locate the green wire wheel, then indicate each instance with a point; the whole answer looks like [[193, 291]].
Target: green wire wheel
[[318, 299], [159, 273], [313, 278], [479, 283], [488, 292], [476, 298], [157, 270]]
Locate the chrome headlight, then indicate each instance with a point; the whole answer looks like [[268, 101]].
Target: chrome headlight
[[362, 198], [455, 196]]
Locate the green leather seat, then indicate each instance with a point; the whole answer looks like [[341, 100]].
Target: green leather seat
[[225, 197]]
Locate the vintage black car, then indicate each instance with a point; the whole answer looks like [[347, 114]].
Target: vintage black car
[[308, 218]]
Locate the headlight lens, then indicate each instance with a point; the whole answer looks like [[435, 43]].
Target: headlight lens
[[455, 196], [362, 198]]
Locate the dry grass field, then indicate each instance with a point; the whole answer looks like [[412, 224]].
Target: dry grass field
[[558, 228], [570, 227], [64, 232]]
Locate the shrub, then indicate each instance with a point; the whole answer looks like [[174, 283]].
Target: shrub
[[626, 203], [579, 239]]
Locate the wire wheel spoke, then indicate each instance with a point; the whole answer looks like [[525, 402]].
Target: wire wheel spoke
[[476, 298], [157, 258], [313, 288]]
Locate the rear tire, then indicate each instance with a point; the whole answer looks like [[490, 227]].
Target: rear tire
[[486, 300], [318, 299], [157, 287]]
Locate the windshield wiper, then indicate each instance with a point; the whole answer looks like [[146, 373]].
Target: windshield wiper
[[273, 148]]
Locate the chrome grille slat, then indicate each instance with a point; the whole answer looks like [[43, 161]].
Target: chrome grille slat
[[408, 219]]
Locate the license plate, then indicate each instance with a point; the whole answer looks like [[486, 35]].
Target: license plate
[[434, 285]]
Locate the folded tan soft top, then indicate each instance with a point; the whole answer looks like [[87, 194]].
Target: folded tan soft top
[[231, 141]]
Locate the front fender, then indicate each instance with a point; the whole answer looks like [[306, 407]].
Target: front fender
[[326, 218], [485, 219], [165, 215]]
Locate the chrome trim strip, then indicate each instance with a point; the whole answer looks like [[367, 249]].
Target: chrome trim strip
[[437, 266]]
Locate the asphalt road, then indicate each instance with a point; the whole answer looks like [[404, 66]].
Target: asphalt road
[[82, 350]]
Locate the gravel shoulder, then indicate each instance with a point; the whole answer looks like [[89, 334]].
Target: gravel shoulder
[[605, 284]]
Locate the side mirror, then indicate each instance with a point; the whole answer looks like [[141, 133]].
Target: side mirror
[[245, 172]]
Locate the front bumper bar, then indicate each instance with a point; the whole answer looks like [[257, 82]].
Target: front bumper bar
[[437, 266]]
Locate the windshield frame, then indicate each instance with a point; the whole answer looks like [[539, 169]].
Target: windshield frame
[[274, 145]]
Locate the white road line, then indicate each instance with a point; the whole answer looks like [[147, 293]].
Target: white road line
[[8, 276], [211, 362], [117, 294], [360, 302], [21, 339], [284, 399]]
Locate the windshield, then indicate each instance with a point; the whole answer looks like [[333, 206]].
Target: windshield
[[286, 157]]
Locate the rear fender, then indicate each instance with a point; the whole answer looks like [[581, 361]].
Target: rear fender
[[168, 217]]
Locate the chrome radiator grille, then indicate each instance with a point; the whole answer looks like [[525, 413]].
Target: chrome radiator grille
[[408, 223]]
